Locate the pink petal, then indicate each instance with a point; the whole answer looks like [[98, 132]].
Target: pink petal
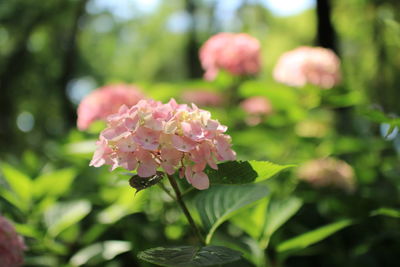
[[147, 169], [183, 144], [147, 138], [200, 181], [126, 144], [115, 133]]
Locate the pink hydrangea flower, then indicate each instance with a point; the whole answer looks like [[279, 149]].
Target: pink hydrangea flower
[[173, 137], [11, 245], [105, 101], [203, 98], [328, 172], [239, 54], [256, 108], [315, 65], [256, 105]]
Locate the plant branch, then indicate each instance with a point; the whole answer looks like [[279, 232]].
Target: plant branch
[[166, 190], [185, 209]]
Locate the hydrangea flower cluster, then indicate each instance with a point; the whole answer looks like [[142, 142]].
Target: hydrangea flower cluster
[[315, 65], [256, 107], [105, 101], [11, 245], [170, 136], [328, 172], [239, 54]]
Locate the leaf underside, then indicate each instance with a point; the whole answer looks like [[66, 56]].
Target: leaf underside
[[188, 256], [219, 203]]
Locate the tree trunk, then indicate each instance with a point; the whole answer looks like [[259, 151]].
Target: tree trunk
[[68, 66], [326, 34], [192, 48]]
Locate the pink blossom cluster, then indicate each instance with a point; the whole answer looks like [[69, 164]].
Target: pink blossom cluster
[[256, 105], [328, 172], [11, 245], [315, 65], [173, 137], [105, 101], [239, 54], [256, 108], [203, 98]]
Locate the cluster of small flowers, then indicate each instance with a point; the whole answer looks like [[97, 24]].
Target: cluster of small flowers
[[11, 245], [105, 101], [239, 54], [315, 65], [174, 137], [328, 172]]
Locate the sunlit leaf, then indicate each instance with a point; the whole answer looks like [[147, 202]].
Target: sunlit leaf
[[254, 223], [27, 230], [19, 183], [232, 172], [63, 215], [13, 199], [279, 211], [395, 213], [307, 239], [378, 116], [266, 217], [103, 251], [266, 169], [126, 203], [242, 172], [217, 204], [187, 256], [44, 184]]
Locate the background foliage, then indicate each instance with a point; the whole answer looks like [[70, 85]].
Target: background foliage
[[55, 52]]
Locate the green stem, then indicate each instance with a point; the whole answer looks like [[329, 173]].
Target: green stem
[[166, 190], [185, 209]]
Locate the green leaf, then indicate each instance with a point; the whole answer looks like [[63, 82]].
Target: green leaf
[[27, 230], [20, 184], [126, 203], [63, 215], [254, 223], [378, 116], [243, 172], [13, 199], [102, 251], [219, 203], [44, 184], [307, 239], [187, 256], [386, 212], [266, 169], [232, 172], [266, 217], [279, 211]]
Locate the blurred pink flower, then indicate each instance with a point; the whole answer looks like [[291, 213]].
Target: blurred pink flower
[[328, 172], [315, 65], [174, 137], [105, 101], [203, 98], [256, 107], [11, 245], [237, 53]]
